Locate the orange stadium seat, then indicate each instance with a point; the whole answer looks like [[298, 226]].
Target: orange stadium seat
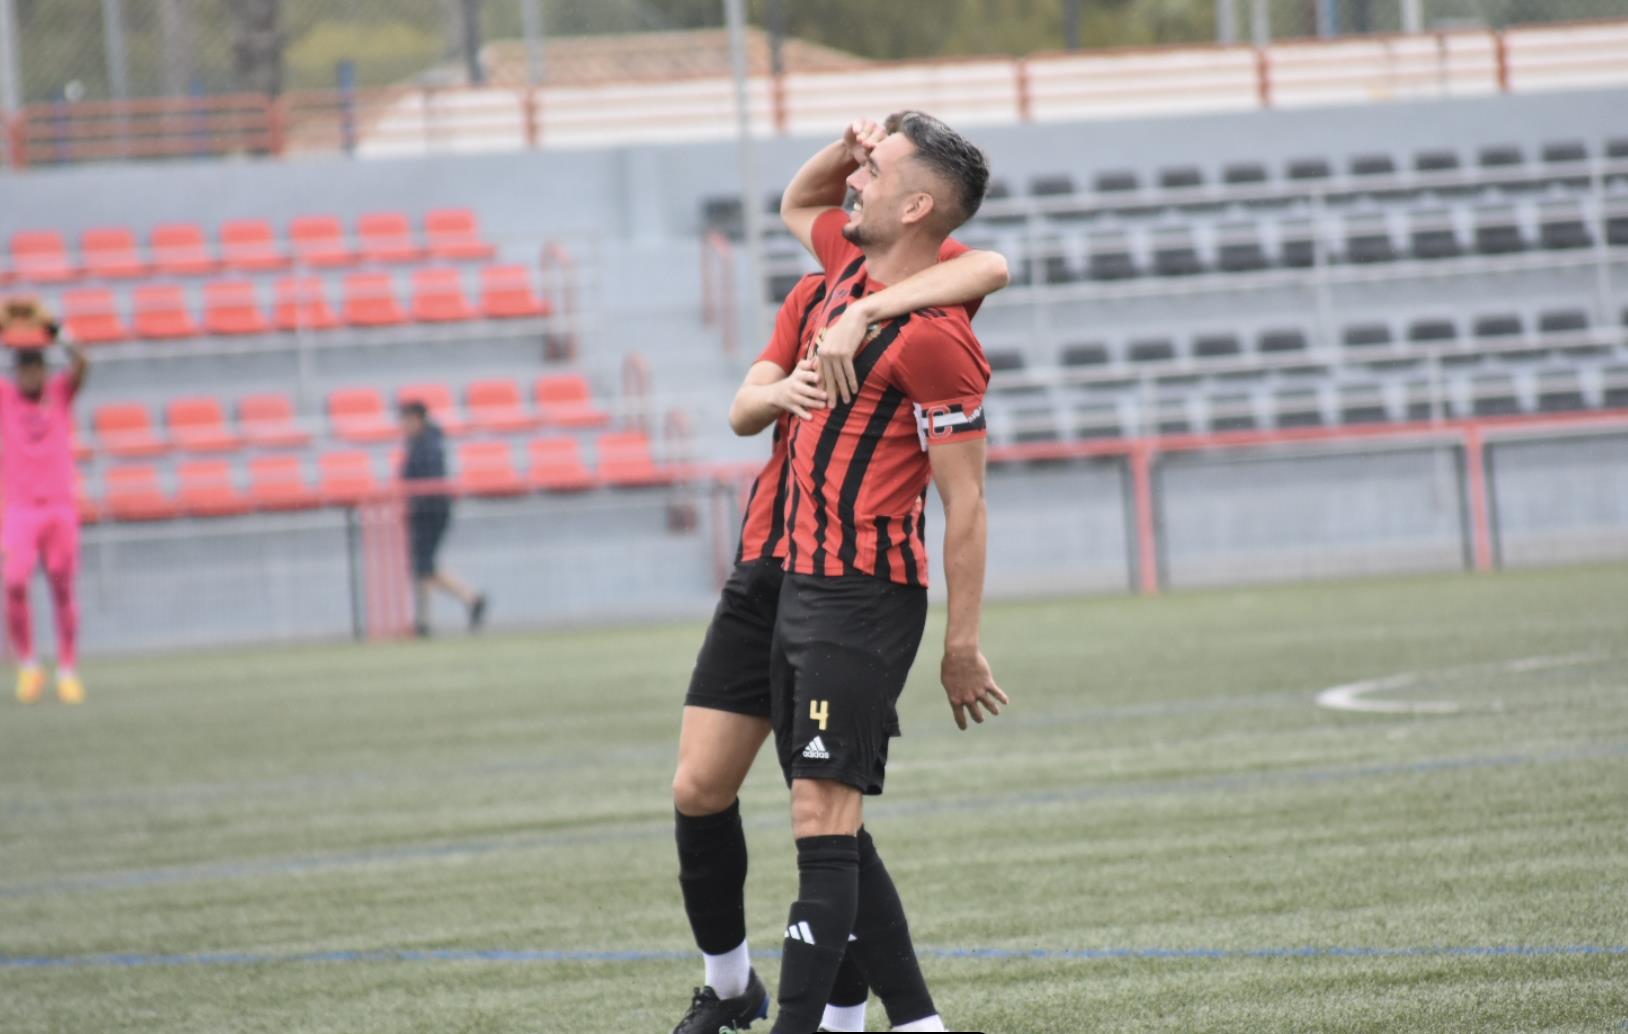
[[26, 337], [496, 406], [487, 468], [370, 301], [92, 317], [134, 493], [438, 296], [278, 483], [506, 293], [360, 415], [233, 307], [268, 422], [160, 311], [625, 459], [454, 235], [126, 429], [387, 237], [206, 489], [41, 257], [346, 478], [110, 252], [179, 249], [302, 304], [438, 399], [556, 465], [198, 424], [565, 400], [319, 240], [250, 246]]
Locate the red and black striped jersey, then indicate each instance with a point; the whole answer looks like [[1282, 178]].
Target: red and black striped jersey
[[858, 472], [763, 532]]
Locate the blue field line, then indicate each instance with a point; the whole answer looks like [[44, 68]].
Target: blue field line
[[656, 828], [136, 960]]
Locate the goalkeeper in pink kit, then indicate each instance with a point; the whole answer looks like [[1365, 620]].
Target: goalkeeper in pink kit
[[40, 521]]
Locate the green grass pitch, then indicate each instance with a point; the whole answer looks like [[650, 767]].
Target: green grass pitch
[[1165, 833]]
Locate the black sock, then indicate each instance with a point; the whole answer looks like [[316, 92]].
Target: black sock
[[817, 931], [882, 945], [849, 988], [712, 871]]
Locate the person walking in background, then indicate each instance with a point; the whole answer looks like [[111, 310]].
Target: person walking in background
[[41, 516], [428, 515]]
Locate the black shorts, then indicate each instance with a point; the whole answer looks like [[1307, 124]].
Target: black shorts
[[424, 534], [842, 650], [732, 671]]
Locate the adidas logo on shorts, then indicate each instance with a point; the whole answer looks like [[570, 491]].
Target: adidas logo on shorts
[[815, 751]]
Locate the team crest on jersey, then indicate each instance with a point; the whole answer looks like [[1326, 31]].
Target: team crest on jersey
[[941, 422]]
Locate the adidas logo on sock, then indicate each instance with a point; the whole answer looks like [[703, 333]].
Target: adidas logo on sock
[[815, 751], [800, 932]]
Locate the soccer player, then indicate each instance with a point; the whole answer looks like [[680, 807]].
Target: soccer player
[[428, 515], [41, 514], [727, 710], [853, 604]]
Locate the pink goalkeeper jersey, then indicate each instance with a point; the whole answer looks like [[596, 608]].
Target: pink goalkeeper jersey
[[36, 444]]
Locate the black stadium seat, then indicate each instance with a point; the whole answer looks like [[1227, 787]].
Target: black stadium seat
[[1561, 227], [1435, 235], [1560, 391], [1368, 239], [1373, 165], [1308, 170], [1005, 359], [1496, 327], [1116, 181], [1298, 407], [1185, 177], [1280, 342], [1493, 395], [1174, 253], [1239, 249], [1436, 162], [1297, 244], [1111, 257], [1432, 331], [1498, 230], [1501, 156], [1566, 164], [1216, 346], [1058, 184], [1152, 350], [1244, 174], [1091, 353], [1615, 395], [1232, 413], [1366, 335], [1363, 404]]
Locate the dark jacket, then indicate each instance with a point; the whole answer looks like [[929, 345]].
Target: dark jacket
[[426, 461]]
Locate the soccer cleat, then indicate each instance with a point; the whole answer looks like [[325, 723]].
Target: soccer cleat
[[710, 1014], [69, 689], [30, 684], [477, 613]]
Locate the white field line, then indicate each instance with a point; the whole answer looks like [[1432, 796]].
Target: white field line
[[1353, 696]]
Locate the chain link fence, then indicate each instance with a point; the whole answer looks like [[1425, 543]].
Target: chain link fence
[[91, 50]]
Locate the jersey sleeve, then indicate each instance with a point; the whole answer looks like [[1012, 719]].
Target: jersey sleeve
[[784, 346], [943, 372], [954, 249], [63, 389], [831, 248]]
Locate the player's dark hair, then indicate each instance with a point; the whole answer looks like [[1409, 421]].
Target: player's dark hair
[[958, 160], [415, 408], [30, 357]]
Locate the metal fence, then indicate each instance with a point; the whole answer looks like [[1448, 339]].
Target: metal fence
[[91, 50]]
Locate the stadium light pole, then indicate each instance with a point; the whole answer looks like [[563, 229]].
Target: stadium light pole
[[118, 66], [1412, 15], [531, 19], [1226, 22], [11, 93], [751, 193]]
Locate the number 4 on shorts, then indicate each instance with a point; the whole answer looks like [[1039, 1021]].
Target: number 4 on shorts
[[820, 711]]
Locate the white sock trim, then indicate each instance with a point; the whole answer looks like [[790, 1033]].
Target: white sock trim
[[931, 1023], [844, 1017], [729, 973]]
